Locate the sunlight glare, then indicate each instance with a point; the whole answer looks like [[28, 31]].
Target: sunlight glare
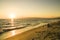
[[12, 16], [13, 33]]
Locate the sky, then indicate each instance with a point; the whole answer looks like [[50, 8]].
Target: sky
[[30, 8]]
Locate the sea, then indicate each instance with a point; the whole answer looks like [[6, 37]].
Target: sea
[[8, 25]]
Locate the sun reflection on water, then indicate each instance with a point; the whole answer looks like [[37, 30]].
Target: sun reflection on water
[[12, 17], [13, 33]]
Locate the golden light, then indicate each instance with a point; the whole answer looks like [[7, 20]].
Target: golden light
[[13, 33], [12, 16]]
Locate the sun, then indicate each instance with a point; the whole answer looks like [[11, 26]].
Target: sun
[[12, 16]]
